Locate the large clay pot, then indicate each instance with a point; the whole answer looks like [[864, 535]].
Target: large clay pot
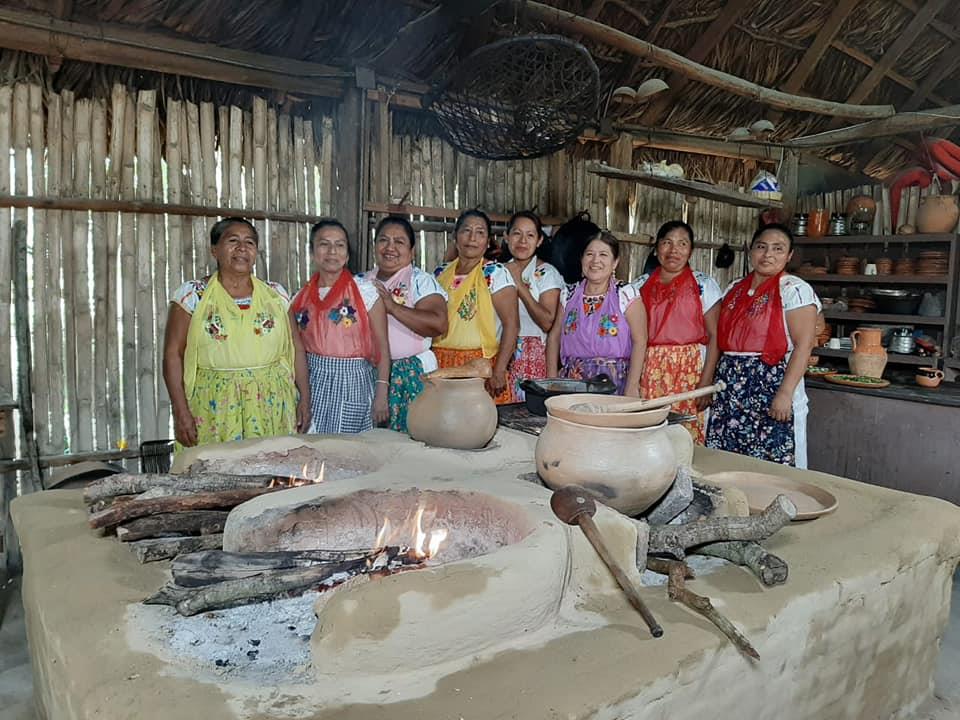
[[453, 413], [938, 214], [628, 468], [868, 357]]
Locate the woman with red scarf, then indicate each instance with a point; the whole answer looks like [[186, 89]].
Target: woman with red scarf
[[766, 332], [342, 325], [682, 310]]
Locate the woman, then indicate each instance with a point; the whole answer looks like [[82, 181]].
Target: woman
[[343, 327], [602, 329], [229, 362], [538, 287], [682, 314], [766, 333], [483, 319], [416, 308]]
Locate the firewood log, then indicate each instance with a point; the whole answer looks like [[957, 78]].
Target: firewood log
[[769, 569], [154, 549], [214, 566], [118, 514], [127, 484], [195, 522]]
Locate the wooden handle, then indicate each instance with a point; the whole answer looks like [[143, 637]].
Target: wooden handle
[[665, 400], [592, 532]]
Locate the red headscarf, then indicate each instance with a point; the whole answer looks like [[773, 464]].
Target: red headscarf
[[674, 310], [754, 322], [337, 325]]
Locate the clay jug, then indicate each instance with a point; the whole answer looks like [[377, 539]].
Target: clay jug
[[453, 413], [628, 468], [938, 214], [868, 357]]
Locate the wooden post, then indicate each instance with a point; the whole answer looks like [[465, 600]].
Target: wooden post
[[197, 225], [80, 270], [259, 189], [42, 275], [55, 366], [103, 325], [30, 482], [280, 233], [347, 154], [618, 199], [789, 177], [114, 419], [8, 480], [128, 265], [66, 245], [146, 122]]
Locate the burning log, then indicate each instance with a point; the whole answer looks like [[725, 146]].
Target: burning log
[[214, 566], [196, 522], [127, 484], [165, 548], [674, 540], [770, 569]]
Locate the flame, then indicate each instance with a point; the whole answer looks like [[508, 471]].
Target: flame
[[436, 538], [385, 532], [422, 544]]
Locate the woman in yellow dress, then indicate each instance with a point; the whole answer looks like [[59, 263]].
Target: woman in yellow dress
[[230, 362]]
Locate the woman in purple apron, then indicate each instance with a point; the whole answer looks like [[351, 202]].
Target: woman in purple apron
[[602, 329]]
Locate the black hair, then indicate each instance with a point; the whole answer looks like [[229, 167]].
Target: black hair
[[565, 248], [400, 221], [528, 215], [606, 237], [476, 213], [542, 252], [778, 227], [220, 227], [324, 223], [667, 227]]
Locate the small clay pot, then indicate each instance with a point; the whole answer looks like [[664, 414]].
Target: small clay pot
[[453, 413], [938, 214], [928, 377]]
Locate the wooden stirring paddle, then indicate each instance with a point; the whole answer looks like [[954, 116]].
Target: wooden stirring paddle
[[650, 404]]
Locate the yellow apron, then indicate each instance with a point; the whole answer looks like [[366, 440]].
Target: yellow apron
[[470, 311]]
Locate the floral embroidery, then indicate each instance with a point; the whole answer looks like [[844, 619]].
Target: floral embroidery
[[263, 323], [214, 327], [457, 279], [468, 306], [540, 271], [592, 303], [570, 323], [399, 294], [608, 325], [302, 318], [344, 314], [488, 271]]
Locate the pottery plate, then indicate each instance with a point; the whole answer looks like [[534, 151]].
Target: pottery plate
[[761, 489], [816, 371], [559, 406], [861, 381]]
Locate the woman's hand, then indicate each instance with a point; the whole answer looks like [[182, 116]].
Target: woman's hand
[[631, 391], [781, 409], [497, 382], [705, 401], [516, 272], [185, 427], [381, 404], [303, 415]]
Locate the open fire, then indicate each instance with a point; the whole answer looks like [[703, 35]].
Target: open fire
[[306, 473]]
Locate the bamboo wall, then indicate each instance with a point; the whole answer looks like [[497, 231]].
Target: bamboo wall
[[100, 282]]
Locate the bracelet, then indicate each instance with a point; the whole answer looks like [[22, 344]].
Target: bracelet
[[383, 381]]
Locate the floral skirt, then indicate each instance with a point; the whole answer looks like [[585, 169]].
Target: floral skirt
[[341, 394], [529, 363], [739, 421], [448, 357], [587, 368], [673, 369], [236, 404], [406, 383]]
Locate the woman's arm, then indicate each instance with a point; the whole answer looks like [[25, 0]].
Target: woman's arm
[[710, 319], [378, 321], [174, 346], [428, 318], [553, 346], [544, 310], [801, 323], [300, 375], [637, 319], [505, 304]]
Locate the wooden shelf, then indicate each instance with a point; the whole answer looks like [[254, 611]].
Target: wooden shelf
[[684, 187], [876, 239], [897, 358], [952, 363], [879, 279], [885, 318]]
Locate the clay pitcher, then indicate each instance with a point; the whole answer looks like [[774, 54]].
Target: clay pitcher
[[938, 214], [453, 413], [868, 357], [628, 468]]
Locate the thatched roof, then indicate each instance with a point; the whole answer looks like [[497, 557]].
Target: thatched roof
[[763, 41]]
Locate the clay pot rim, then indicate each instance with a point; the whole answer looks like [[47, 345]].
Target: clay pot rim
[[604, 428], [453, 380]]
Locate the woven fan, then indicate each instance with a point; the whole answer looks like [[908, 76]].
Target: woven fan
[[522, 97]]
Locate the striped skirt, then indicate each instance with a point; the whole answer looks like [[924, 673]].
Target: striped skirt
[[341, 394], [671, 369], [406, 384]]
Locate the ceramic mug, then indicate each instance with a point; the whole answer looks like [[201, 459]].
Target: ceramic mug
[[833, 343], [870, 269], [928, 377]]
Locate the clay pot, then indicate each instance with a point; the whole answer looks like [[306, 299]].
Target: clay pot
[[818, 223], [453, 413], [928, 377], [868, 357], [938, 214], [628, 468]]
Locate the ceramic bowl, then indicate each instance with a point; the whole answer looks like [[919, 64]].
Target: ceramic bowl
[[559, 406]]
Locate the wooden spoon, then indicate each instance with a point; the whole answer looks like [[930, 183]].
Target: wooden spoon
[[476, 368], [650, 404]]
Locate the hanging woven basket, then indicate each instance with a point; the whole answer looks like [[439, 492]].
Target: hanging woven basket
[[522, 97]]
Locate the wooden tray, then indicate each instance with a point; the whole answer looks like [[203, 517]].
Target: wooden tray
[[761, 489], [855, 381]]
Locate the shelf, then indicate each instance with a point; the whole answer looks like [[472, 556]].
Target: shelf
[[885, 318], [684, 187], [952, 363], [891, 357], [876, 239], [879, 279]]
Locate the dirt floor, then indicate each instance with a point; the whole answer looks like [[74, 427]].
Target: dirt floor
[[16, 684]]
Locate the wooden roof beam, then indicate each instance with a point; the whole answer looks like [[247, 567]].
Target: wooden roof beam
[[705, 44], [599, 32], [943, 28], [892, 74], [697, 145], [652, 33], [885, 127], [109, 44]]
